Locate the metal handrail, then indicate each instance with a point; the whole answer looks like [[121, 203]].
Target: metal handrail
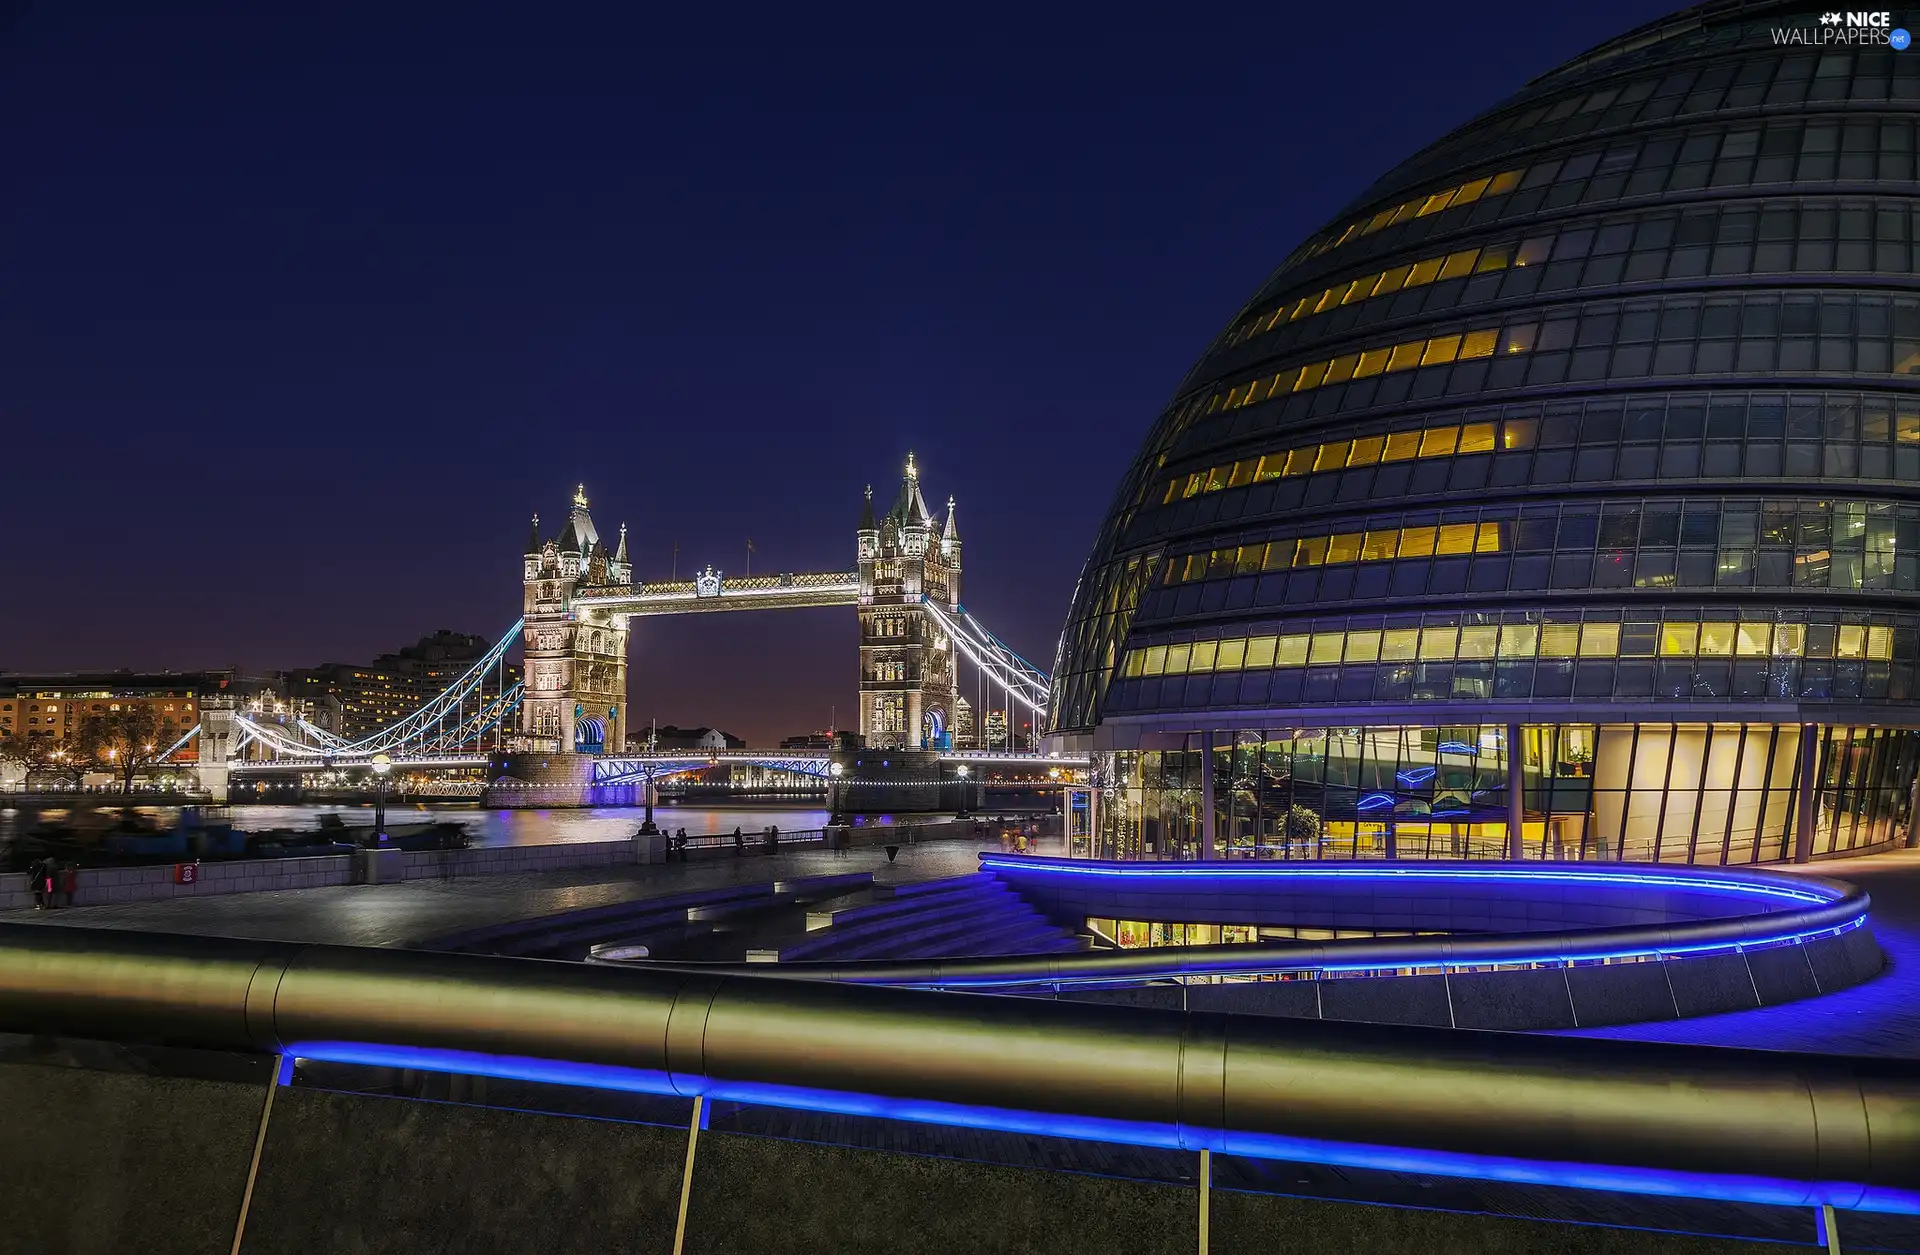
[[1801, 1129]]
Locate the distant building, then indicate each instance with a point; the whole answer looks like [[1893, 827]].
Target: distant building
[[845, 740], [357, 699], [50, 708], [668, 737]]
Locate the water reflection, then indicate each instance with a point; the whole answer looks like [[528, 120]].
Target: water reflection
[[487, 827]]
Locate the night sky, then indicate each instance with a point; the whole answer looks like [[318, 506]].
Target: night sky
[[303, 314]]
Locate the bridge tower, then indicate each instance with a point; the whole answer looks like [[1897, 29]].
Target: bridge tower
[[908, 698], [576, 657]]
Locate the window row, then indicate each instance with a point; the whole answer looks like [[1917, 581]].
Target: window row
[[1744, 81], [1725, 638], [1399, 446], [1312, 551], [1775, 238], [1561, 679], [1873, 572], [1761, 331], [1789, 151]]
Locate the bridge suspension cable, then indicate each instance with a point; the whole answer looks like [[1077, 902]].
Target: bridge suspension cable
[[460, 715]]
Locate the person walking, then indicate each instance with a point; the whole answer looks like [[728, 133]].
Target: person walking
[[69, 875], [37, 885], [739, 841]]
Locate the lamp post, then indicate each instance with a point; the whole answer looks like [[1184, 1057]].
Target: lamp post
[[834, 771], [963, 771], [382, 764]]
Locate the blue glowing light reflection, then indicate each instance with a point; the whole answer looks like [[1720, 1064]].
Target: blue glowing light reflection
[[1618, 1179], [1643, 879]]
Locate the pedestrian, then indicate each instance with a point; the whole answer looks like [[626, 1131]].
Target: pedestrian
[[739, 841], [68, 876], [34, 883], [47, 881]]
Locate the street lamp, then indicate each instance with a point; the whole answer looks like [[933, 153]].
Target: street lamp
[[382, 764], [963, 771]]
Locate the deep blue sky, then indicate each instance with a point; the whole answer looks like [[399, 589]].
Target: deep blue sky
[[302, 314]]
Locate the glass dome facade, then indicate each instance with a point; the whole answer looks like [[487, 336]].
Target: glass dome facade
[[1560, 498]]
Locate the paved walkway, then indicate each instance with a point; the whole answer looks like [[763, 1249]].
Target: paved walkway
[[411, 912], [1879, 1018]]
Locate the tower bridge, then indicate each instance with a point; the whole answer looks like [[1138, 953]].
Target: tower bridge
[[580, 597]]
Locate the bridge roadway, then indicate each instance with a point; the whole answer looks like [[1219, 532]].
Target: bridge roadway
[[618, 767], [756, 592]]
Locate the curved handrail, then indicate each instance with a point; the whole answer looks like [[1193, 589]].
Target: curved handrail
[[1816, 908], [1789, 1129]]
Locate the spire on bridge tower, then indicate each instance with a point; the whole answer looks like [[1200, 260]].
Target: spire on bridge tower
[[580, 497], [620, 554], [907, 694], [533, 537]]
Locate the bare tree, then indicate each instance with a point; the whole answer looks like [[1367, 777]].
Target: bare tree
[[41, 757], [126, 739]]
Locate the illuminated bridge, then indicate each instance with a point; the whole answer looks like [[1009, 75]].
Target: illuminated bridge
[[580, 598]]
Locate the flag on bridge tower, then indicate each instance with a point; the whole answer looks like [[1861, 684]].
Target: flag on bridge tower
[[749, 555]]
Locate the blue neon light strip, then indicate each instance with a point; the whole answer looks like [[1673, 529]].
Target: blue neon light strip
[[1733, 1187], [1133, 976], [1304, 871]]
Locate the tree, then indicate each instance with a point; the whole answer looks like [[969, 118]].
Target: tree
[[126, 739], [40, 757]]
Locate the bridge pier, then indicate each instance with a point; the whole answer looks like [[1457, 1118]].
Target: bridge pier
[[215, 747], [548, 781]]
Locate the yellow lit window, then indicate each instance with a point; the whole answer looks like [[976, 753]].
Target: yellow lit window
[[1272, 466], [1372, 362], [1504, 182], [1201, 661], [1790, 640], [1559, 640], [1331, 457], [1440, 350], [1217, 478], [1478, 344], [1753, 639], [1416, 542], [1177, 659], [1290, 651], [1853, 643], [1679, 640], [1156, 660], [1494, 257], [1402, 445], [1459, 263], [1880, 644], [1341, 368], [1488, 539], [1399, 644], [1359, 290], [1300, 461], [1135, 659], [1242, 473], [1279, 555], [1392, 280], [1437, 644], [1600, 640], [1476, 438], [1326, 646], [1366, 451], [1344, 548], [1424, 271], [1455, 538], [1379, 546], [1260, 651], [1519, 640], [1406, 356], [1471, 192], [1438, 442], [1312, 551], [1363, 646], [1436, 202], [1310, 376], [1232, 654], [1478, 642], [1716, 640]]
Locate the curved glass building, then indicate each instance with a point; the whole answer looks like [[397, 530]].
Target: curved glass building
[[1560, 498]]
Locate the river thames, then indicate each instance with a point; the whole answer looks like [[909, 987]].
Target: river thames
[[486, 827]]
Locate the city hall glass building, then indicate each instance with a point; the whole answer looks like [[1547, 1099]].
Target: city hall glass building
[[1560, 498]]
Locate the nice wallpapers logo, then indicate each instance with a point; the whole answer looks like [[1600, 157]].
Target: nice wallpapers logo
[[1836, 29]]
